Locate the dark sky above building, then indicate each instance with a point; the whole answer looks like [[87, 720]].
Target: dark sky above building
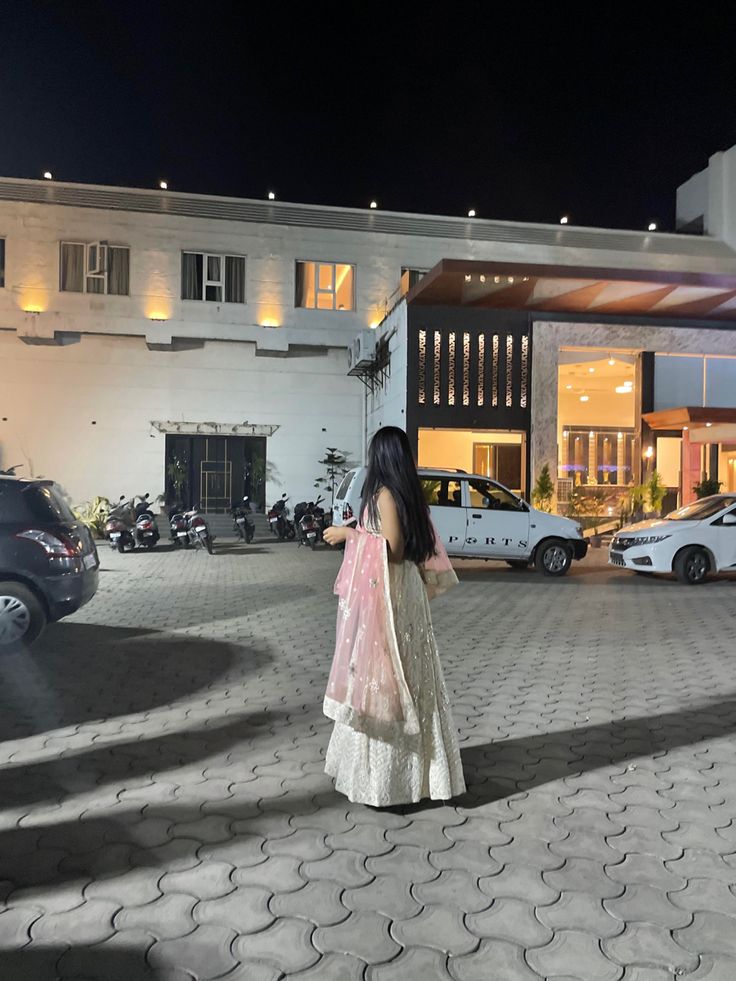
[[523, 111]]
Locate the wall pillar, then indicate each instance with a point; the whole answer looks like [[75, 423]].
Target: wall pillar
[[691, 467]]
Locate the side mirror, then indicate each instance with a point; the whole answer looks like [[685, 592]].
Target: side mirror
[[283, 497], [122, 497], [729, 519]]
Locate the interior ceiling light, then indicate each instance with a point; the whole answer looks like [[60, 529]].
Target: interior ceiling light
[[623, 390], [584, 398], [591, 370], [611, 362], [568, 387]]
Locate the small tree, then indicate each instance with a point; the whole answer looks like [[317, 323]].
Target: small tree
[[656, 492], [544, 490], [176, 471], [336, 464], [577, 503], [596, 503]]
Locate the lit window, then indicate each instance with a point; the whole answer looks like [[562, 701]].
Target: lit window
[[94, 267], [213, 278], [325, 285]]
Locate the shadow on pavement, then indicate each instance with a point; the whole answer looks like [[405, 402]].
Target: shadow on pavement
[[78, 672], [119, 765], [507, 766], [65, 962]]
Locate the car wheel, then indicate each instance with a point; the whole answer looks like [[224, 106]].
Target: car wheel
[[518, 563], [121, 548], [692, 565], [22, 616], [553, 558]]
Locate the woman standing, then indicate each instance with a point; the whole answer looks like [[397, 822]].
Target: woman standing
[[394, 740]]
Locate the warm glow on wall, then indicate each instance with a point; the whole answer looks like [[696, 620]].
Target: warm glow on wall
[[270, 322], [158, 308], [34, 300]]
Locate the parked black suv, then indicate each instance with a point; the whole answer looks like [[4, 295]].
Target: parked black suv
[[48, 560]]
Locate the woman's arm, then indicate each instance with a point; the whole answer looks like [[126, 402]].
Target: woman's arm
[[391, 525], [335, 535]]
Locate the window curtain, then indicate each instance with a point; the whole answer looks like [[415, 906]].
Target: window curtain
[[191, 276], [301, 284], [71, 268], [118, 271], [234, 279]]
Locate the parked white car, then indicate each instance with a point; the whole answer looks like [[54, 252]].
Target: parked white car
[[692, 542], [478, 518]]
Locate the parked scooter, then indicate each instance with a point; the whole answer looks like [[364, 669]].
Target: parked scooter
[[280, 522], [308, 519], [198, 530], [178, 526], [146, 531], [120, 525], [243, 524]]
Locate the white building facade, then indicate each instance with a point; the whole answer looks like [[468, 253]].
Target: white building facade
[[149, 334]]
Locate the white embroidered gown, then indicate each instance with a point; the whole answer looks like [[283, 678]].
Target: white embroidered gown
[[404, 769]]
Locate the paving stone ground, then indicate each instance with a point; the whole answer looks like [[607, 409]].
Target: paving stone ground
[[164, 812]]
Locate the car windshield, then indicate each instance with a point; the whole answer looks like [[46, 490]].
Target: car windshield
[[699, 510], [343, 489]]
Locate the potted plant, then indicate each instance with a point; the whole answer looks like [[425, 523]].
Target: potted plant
[[544, 490], [596, 503], [707, 487], [656, 492], [637, 497]]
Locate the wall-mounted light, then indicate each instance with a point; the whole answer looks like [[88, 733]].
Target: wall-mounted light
[[568, 387], [685, 429], [164, 185], [620, 435], [709, 424], [652, 226], [565, 433], [649, 452], [269, 322], [158, 318], [471, 213], [564, 219], [271, 196], [32, 309], [591, 370], [373, 204], [611, 361], [47, 175]]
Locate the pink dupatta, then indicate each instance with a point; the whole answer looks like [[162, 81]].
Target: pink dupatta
[[367, 689]]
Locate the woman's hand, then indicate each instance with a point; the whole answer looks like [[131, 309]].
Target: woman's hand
[[337, 535]]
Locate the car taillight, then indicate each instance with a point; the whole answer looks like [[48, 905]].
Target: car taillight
[[347, 512], [59, 546]]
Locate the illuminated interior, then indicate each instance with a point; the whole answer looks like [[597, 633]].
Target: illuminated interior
[[597, 435], [500, 455], [325, 285]]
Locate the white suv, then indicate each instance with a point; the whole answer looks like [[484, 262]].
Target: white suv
[[478, 518]]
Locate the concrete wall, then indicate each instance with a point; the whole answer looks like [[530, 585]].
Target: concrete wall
[[711, 193], [386, 405], [50, 396]]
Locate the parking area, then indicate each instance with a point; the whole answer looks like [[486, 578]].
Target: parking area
[[164, 814]]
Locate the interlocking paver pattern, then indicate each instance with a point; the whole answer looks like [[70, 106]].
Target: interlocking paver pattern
[[164, 812]]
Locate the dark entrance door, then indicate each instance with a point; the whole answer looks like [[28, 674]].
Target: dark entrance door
[[215, 471]]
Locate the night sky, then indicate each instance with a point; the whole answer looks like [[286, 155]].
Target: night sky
[[521, 112]]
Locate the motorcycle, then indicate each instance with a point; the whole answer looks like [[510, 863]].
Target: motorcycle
[[198, 531], [178, 527], [120, 525], [309, 520], [146, 531], [243, 524], [279, 521]]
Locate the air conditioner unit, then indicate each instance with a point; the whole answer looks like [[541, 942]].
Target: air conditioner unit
[[362, 352], [96, 258]]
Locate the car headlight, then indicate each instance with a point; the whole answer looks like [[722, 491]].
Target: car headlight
[[651, 539]]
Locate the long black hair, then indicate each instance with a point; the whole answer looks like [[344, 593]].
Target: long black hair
[[391, 465]]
